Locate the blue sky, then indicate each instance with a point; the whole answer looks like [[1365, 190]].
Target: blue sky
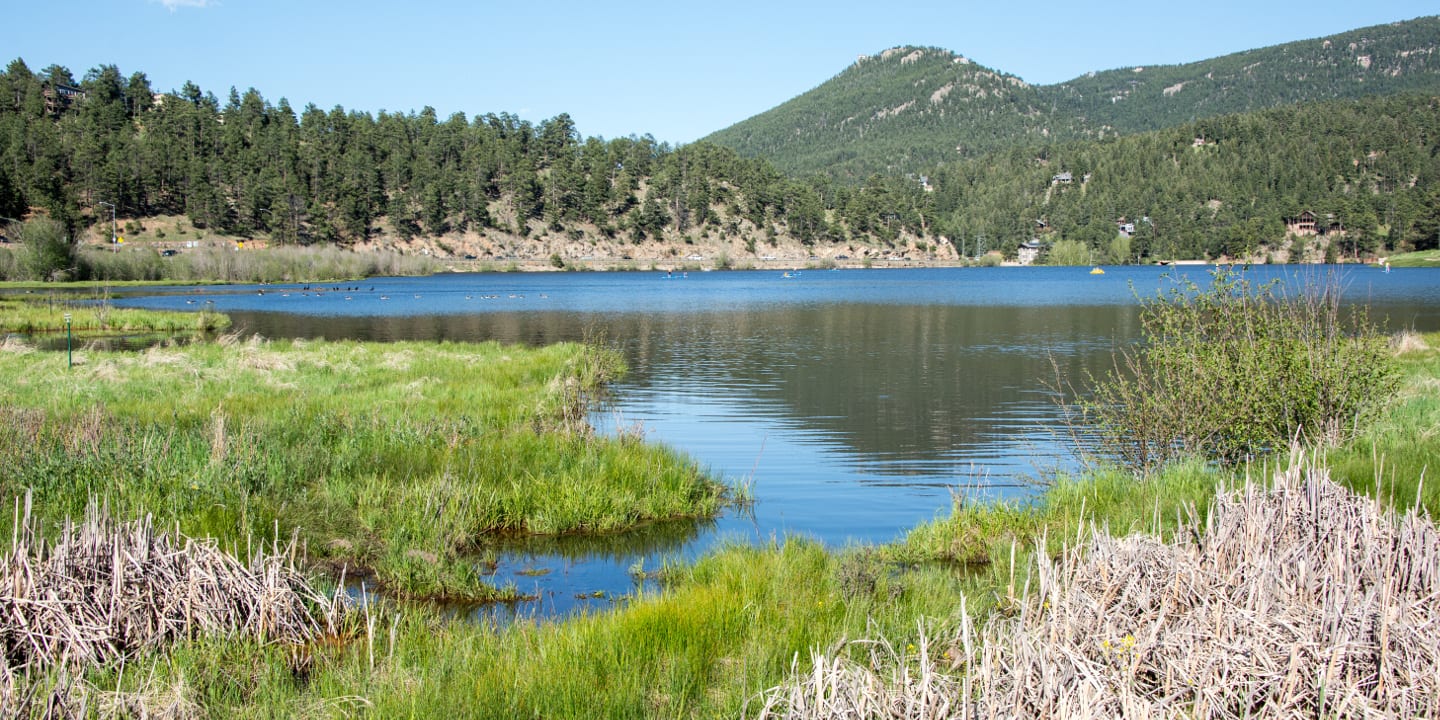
[[674, 70]]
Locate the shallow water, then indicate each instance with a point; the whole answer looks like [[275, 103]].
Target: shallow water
[[855, 403]]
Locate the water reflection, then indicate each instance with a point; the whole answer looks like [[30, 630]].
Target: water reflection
[[856, 404]]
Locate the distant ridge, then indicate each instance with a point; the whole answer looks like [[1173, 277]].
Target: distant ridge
[[909, 108]]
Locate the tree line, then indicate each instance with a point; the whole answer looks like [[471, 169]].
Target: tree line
[[1222, 186], [245, 166]]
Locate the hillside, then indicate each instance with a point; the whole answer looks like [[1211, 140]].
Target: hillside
[[900, 110], [497, 190], [909, 108], [1368, 169], [503, 190]]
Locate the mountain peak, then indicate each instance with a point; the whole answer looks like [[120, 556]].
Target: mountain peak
[[910, 107]]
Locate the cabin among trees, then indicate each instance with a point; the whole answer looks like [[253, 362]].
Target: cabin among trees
[[1302, 224], [59, 97], [1029, 251], [1308, 223]]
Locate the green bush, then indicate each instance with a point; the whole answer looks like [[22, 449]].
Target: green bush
[[1236, 371], [1068, 252], [48, 252]]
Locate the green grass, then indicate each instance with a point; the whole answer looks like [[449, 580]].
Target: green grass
[[719, 632], [48, 315], [723, 630], [1424, 258], [399, 457], [1398, 456], [88, 284]]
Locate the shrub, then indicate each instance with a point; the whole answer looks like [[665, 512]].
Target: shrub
[[48, 252], [1068, 252], [1235, 371]]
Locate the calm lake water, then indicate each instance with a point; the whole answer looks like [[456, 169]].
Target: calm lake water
[[856, 403]]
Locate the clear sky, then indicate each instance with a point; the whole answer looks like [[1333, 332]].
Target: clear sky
[[676, 70]]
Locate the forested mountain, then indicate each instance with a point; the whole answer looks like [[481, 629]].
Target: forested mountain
[[496, 186], [899, 111], [908, 108], [1221, 186], [71, 148]]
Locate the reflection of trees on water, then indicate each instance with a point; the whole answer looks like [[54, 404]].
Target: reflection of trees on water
[[909, 382]]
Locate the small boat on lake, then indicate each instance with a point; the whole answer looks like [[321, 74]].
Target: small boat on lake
[[1097, 271]]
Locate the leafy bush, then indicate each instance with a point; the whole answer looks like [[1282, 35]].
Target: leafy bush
[[48, 252], [1235, 371], [1068, 252]]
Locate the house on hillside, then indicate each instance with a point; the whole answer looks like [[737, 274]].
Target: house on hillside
[[59, 97], [1029, 251], [1308, 223], [1302, 224], [1127, 229], [1064, 178]]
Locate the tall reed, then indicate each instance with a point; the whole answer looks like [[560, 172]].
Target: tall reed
[[271, 265]]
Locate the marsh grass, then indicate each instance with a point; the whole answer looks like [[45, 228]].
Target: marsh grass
[[1109, 596], [101, 592], [226, 264], [894, 627], [897, 628], [1301, 600], [399, 458], [719, 630], [97, 316], [1397, 456]]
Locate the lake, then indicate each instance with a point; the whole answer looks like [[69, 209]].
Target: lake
[[855, 403]]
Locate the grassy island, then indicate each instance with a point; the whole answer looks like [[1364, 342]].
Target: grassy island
[[42, 315]]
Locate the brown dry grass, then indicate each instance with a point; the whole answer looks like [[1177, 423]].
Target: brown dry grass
[[103, 591], [1301, 601], [1407, 342]]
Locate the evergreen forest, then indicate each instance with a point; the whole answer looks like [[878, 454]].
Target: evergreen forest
[[910, 108], [1221, 186]]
